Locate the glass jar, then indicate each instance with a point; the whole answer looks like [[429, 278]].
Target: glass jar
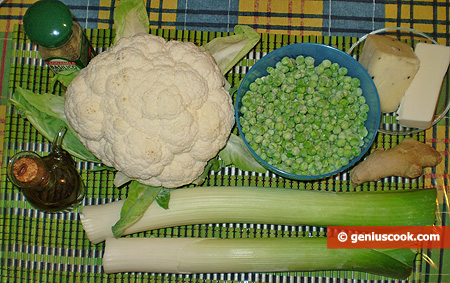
[[62, 43], [50, 183]]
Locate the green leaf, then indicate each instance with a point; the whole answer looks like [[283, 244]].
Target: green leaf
[[65, 78], [121, 179], [135, 191], [139, 198], [236, 153], [130, 18], [229, 50], [102, 167], [233, 90], [213, 164], [163, 198], [46, 113]]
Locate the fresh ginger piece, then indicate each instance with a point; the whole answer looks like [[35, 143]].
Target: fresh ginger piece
[[407, 159]]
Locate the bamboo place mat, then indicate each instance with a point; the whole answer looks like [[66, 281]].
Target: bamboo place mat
[[52, 247]]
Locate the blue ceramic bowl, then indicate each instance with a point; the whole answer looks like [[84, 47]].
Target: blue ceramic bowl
[[319, 52]]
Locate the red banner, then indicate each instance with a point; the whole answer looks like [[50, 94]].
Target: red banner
[[388, 237]]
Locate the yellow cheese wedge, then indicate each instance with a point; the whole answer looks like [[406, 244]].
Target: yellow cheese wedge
[[419, 103], [392, 64]]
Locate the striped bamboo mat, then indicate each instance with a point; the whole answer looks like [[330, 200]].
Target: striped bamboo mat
[[44, 247]]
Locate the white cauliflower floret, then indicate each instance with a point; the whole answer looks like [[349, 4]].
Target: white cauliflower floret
[[155, 110]]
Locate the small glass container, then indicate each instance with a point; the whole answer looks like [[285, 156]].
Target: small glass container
[[49, 183], [62, 42]]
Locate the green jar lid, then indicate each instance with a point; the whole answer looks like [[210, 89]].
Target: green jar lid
[[48, 23]]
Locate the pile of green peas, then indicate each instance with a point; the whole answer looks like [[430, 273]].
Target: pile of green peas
[[303, 118]]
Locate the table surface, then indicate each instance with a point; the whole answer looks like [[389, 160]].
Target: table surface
[[285, 20]]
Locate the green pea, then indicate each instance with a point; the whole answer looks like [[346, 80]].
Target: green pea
[[326, 63], [343, 71], [309, 60]]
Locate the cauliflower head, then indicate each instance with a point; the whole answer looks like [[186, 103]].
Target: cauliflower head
[[153, 109]]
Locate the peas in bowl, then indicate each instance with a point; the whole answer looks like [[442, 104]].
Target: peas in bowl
[[307, 111]]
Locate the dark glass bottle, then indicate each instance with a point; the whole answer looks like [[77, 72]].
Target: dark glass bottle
[[62, 42], [49, 183]]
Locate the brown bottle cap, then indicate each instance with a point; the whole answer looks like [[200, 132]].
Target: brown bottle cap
[[28, 171]]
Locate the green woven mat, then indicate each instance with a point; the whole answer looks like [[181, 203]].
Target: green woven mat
[[44, 247]]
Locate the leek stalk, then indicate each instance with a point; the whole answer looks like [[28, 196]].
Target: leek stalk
[[262, 205], [215, 255]]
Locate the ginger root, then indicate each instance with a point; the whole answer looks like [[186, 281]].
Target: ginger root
[[407, 159]]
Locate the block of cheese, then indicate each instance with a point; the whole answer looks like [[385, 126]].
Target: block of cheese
[[392, 64], [419, 103]]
